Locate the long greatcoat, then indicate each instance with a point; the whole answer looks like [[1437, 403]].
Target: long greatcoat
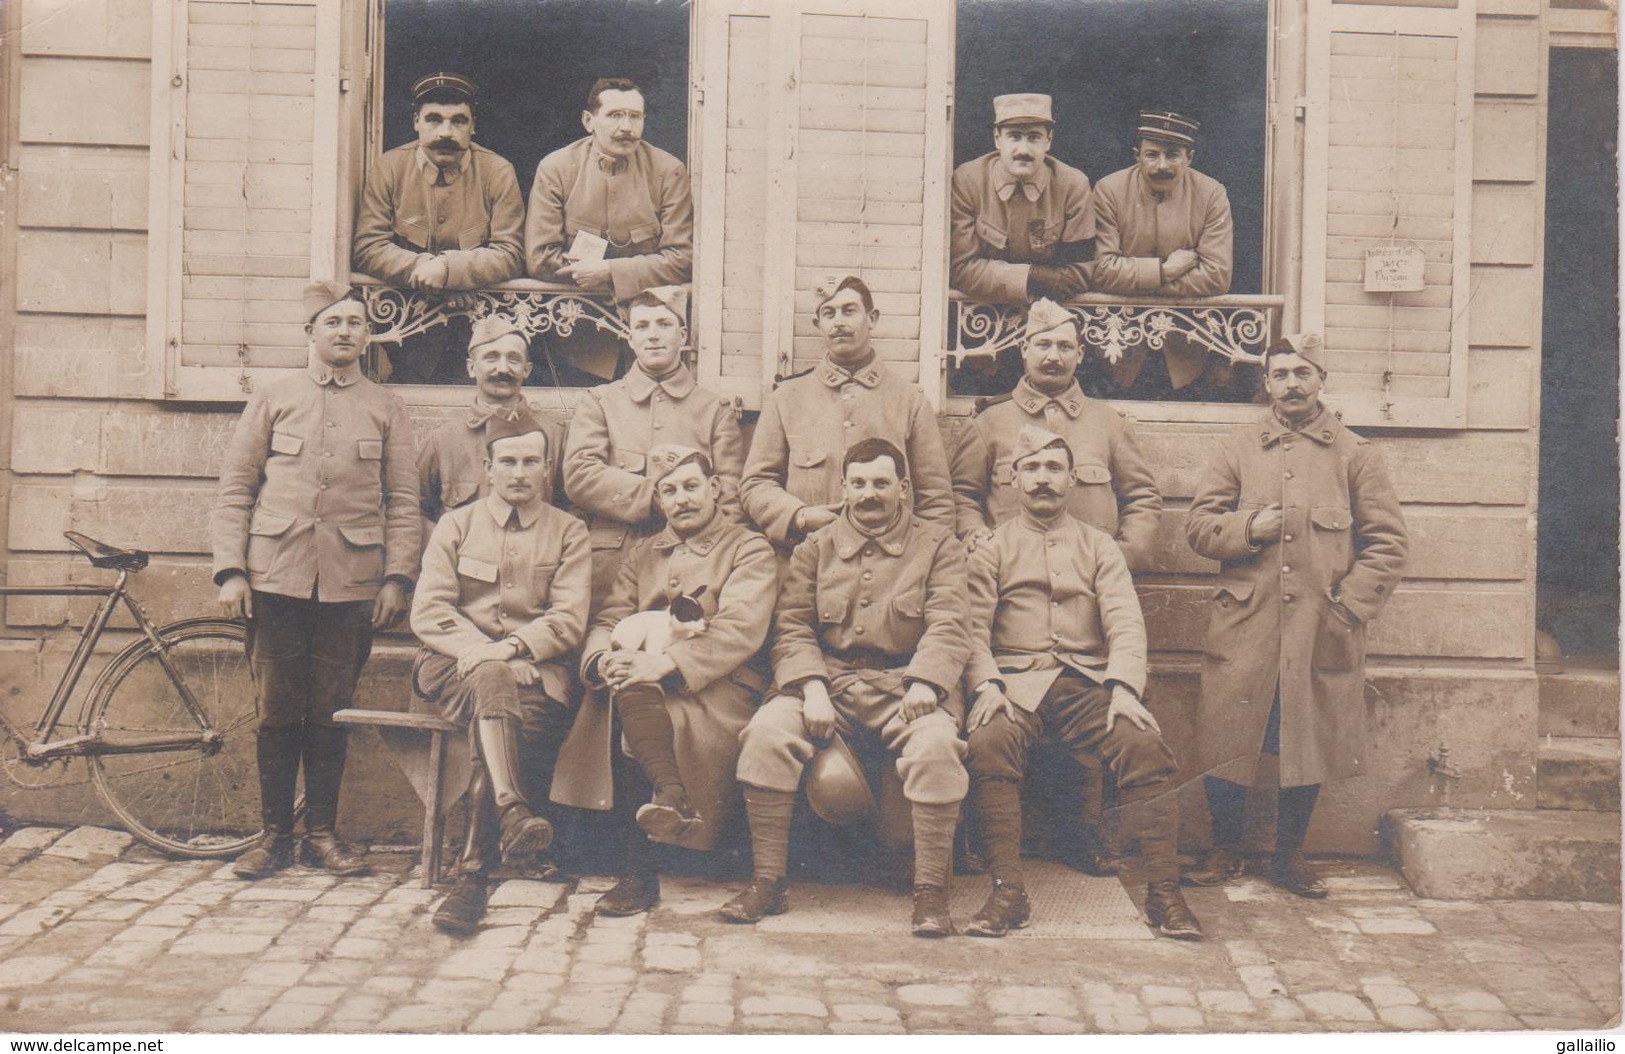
[[1272, 623], [719, 668]]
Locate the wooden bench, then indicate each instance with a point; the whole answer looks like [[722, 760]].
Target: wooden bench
[[433, 811]]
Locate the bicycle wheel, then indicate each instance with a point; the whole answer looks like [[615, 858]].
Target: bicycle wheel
[[200, 799]]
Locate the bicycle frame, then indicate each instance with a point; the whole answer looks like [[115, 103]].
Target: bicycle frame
[[40, 746]]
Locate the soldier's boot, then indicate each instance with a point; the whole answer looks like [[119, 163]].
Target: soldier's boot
[[1167, 912], [1218, 867], [997, 802], [651, 740], [1226, 805], [768, 813], [522, 832], [325, 748], [931, 915], [1152, 813], [933, 866], [1005, 909], [631, 895], [276, 753], [1288, 869], [763, 897], [460, 913]]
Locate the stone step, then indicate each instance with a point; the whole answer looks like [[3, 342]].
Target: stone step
[[1577, 772], [1495, 854], [1580, 702]]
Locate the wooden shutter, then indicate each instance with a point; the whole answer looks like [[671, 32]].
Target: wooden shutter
[[244, 187], [1388, 160]]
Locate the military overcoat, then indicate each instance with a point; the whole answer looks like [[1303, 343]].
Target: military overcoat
[[1273, 623]]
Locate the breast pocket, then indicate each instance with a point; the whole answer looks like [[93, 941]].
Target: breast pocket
[[990, 235], [478, 570], [1093, 499], [907, 615], [1045, 235], [1333, 547], [363, 552], [369, 449], [806, 475], [541, 581], [286, 444], [830, 607], [645, 233]]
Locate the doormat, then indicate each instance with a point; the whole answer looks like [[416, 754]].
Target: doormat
[[1067, 905]]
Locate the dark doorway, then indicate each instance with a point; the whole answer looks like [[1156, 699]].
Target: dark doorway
[[1578, 576]]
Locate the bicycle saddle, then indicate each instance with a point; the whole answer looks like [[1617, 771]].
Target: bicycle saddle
[[106, 556]]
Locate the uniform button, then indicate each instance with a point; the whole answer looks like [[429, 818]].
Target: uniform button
[[848, 424], [318, 519], [1286, 569], [1054, 636], [1052, 543], [1055, 603], [328, 454], [507, 585], [863, 603], [1289, 475], [324, 486], [441, 218], [674, 583], [858, 630], [868, 550], [1286, 537], [1287, 599], [332, 424], [868, 575]]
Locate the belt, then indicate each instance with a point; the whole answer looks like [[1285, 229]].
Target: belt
[[869, 659]]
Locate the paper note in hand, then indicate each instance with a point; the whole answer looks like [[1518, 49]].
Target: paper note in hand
[[587, 246]]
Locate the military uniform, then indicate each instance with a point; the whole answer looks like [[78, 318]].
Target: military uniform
[[614, 428], [809, 422], [640, 204], [868, 615], [1001, 227], [451, 461], [1135, 232], [1114, 490], [472, 217]]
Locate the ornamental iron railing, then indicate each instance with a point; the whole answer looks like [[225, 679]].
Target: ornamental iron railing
[[537, 308]]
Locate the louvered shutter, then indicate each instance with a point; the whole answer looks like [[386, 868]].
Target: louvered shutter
[[1388, 161]]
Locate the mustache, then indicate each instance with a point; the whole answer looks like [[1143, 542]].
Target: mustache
[[1044, 490], [870, 503], [503, 376]]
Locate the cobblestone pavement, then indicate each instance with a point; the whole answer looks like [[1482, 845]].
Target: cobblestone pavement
[[99, 935]]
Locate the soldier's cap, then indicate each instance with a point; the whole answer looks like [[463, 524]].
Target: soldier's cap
[[667, 458], [499, 427], [449, 81], [1307, 346], [319, 296], [1031, 439], [1165, 126], [1045, 315], [673, 298], [837, 787], [828, 285], [1022, 108], [491, 329]]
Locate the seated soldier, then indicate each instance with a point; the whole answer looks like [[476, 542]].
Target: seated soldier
[[1058, 647], [870, 641], [683, 697], [501, 601]]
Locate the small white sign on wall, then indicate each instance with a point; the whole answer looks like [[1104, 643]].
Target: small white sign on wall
[[1394, 269]]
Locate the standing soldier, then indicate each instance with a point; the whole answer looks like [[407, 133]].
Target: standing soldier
[[870, 642], [438, 216], [501, 604], [617, 425], [315, 537], [793, 478], [1304, 522], [1058, 647], [681, 705], [1022, 225], [451, 462]]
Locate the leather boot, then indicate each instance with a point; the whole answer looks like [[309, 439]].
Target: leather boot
[[460, 913], [272, 853], [1005, 909], [1167, 912], [931, 916], [324, 751], [763, 897], [1220, 866], [1292, 873], [668, 816], [631, 895], [523, 833]]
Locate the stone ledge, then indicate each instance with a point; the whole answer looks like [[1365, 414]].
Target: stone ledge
[[1496, 854]]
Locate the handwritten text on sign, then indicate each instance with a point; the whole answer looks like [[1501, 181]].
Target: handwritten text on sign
[[1394, 269]]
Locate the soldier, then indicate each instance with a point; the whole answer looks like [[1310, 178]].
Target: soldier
[[1058, 646], [501, 603], [1113, 489], [1301, 516], [451, 462], [680, 706], [315, 537], [613, 185], [870, 641], [440, 215], [793, 479], [1022, 225], [1162, 227], [618, 424]]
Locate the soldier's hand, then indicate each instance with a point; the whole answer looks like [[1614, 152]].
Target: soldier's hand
[[817, 711], [1124, 705], [236, 598], [978, 537], [490, 651], [990, 703], [461, 301], [429, 275], [1053, 282], [919, 700], [390, 605], [524, 673], [591, 275], [641, 667], [813, 517], [1180, 262], [1266, 525]]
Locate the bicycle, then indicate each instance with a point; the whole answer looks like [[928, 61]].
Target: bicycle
[[167, 727]]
